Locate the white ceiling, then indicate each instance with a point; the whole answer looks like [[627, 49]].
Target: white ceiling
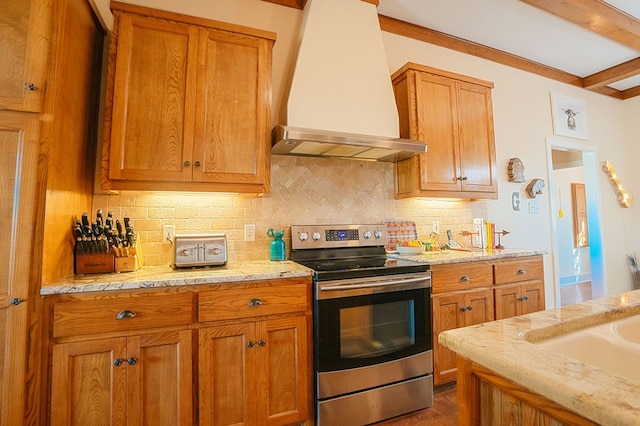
[[520, 29]]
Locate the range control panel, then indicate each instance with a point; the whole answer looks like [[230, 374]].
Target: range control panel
[[328, 236]]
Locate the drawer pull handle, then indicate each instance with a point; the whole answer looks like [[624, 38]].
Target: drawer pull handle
[[523, 298], [255, 302], [251, 344], [117, 362], [132, 360], [521, 272], [464, 279], [261, 342], [127, 313]]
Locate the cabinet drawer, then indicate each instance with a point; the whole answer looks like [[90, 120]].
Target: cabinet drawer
[[461, 276], [233, 303], [519, 269], [80, 317]]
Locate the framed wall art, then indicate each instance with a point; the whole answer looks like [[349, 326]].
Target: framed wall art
[[569, 116]]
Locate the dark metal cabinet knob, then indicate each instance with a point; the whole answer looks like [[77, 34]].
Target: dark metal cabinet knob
[[197, 164], [132, 360], [15, 301], [255, 302], [30, 86], [117, 362], [521, 272], [126, 313], [464, 279], [187, 163], [251, 344], [261, 342]]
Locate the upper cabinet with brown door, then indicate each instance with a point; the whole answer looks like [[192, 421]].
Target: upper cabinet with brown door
[[188, 104], [453, 115], [26, 32]]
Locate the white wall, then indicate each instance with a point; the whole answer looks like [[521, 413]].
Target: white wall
[[522, 122], [522, 114]]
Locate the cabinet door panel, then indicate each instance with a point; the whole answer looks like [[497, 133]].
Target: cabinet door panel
[[25, 27], [534, 297], [477, 152], [439, 130], [161, 379], [447, 315], [18, 170], [88, 388], [227, 374], [284, 357], [232, 121], [154, 88], [507, 303], [481, 304]]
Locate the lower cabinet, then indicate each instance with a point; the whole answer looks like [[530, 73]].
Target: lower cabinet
[[216, 354], [141, 379], [454, 310], [254, 373], [470, 293]]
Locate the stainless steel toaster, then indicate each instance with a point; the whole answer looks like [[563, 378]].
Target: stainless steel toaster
[[199, 250]]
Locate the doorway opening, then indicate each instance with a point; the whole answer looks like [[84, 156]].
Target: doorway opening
[[575, 222]]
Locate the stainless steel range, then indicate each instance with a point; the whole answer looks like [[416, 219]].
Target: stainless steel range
[[372, 325]]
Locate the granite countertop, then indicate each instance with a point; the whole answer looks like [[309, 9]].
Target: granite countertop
[[458, 256], [508, 347], [163, 276]]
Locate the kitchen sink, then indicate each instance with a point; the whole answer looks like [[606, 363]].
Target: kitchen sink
[[612, 346]]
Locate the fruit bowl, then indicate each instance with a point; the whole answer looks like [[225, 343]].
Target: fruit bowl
[[410, 249]]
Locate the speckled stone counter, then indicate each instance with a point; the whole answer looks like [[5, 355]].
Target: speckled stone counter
[[163, 276], [458, 256], [508, 347]]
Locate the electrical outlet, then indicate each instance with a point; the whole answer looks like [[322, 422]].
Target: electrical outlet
[[168, 232], [250, 232], [435, 226], [478, 239]]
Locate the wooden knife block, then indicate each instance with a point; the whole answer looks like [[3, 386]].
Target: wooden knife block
[[94, 263], [132, 262]]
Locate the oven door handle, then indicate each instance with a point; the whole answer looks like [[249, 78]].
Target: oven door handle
[[375, 284]]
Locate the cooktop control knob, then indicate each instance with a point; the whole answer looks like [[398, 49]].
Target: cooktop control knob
[[378, 234], [303, 236], [366, 235], [215, 251], [316, 236]]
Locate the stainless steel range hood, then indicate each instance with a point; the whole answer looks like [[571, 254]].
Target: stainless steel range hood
[[341, 103], [315, 143]]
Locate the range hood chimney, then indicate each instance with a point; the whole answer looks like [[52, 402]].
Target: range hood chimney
[[341, 101]]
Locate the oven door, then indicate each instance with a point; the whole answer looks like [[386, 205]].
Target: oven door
[[363, 322]]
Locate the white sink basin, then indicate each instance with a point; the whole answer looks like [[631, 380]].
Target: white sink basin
[[613, 346]]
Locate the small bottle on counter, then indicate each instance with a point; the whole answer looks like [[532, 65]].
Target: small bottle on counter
[[277, 249]]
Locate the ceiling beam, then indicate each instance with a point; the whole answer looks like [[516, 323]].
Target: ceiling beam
[[300, 4], [430, 36], [596, 16], [613, 74]]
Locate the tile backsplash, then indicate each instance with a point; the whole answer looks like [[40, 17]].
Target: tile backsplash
[[303, 191]]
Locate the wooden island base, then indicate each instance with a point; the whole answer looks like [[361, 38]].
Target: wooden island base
[[485, 398]]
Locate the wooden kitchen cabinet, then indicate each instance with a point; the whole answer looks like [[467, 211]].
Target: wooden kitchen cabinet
[[25, 46], [453, 115], [254, 358], [519, 286], [18, 175], [141, 379], [123, 359], [188, 104], [461, 296]]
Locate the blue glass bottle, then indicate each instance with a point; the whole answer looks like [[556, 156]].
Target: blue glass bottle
[[277, 249]]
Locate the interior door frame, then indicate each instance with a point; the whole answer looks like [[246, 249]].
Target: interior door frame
[[590, 167]]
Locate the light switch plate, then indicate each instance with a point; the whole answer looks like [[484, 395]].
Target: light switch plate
[[533, 207]]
